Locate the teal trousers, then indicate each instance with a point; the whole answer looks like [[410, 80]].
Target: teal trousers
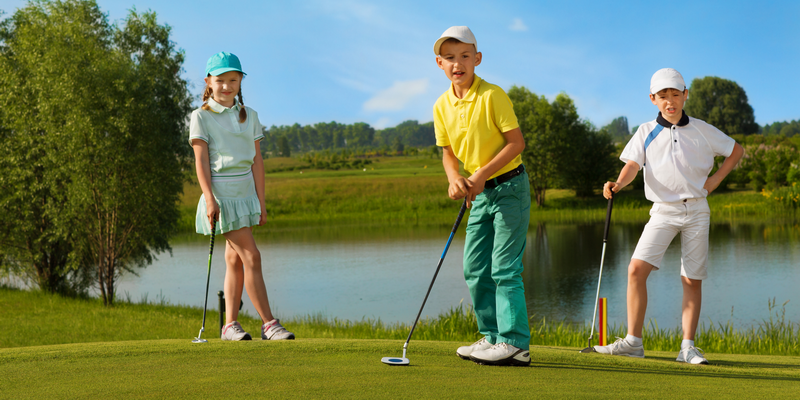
[[496, 237]]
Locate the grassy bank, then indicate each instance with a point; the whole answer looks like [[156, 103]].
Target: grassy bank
[[412, 190], [50, 319]]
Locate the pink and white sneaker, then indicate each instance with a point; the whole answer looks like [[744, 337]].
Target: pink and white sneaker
[[234, 331], [273, 330]]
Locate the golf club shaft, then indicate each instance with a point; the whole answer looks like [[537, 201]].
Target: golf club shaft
[[441, 259], [208, 275], [602, 259]]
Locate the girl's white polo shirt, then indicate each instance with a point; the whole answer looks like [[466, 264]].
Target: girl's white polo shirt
[[678, 159]]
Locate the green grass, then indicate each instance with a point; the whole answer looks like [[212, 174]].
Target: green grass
[[412, 190], [76, 348], [341, 368], [52, 319]]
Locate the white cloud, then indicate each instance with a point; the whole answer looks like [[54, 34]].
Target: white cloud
[[517, 25], [396, 97], [382, 123]]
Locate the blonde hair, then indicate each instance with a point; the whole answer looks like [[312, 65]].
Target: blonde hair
[[209, 94]]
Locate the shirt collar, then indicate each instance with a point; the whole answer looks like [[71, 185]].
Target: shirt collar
[[470, 96], [666, 124], [219, 108]]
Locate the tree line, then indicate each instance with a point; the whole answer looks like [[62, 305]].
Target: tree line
[[283, 141]]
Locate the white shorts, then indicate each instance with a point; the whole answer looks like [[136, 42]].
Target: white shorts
[[690, 218]]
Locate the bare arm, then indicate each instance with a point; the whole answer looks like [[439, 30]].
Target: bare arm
[[258, 175], [515, 143], [459, 186], [727, 166], [203, 169], [626, 176]]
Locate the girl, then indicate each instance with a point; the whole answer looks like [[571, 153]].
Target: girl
[[225, 137]]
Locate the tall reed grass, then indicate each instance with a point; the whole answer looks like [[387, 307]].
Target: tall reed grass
[[773, 336]]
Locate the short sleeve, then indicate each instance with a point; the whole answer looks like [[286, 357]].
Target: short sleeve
[[720, 143], [439, 127], [196, 130], [634, 150], [258, 132], [503, 111]]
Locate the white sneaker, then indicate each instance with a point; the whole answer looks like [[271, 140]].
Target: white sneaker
[[692, 355], [234, 331], [273, 330], [465, 351], [502, 354], [621, 348]]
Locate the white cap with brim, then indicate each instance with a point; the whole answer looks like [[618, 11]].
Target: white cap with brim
[[666, 78], [460, 33]]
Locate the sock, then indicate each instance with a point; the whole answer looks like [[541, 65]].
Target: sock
[[633, 340], [687, 343]]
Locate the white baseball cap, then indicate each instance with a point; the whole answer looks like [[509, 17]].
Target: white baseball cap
[[666, 78], [460, 33]]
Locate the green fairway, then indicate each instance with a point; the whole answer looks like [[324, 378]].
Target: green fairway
[[338, 368]]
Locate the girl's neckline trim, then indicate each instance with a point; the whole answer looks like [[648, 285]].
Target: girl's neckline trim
[[249, 121]]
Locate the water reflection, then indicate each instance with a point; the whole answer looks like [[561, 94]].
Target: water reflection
[[383, 272]]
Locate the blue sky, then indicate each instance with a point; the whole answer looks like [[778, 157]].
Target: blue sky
[[372, 61]]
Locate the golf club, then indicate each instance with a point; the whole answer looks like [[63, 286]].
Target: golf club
[[591, 349], [403, 360], [198, 339]]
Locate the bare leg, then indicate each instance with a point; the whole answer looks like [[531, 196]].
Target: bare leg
[[638, 271], [244, 246], [234, 282], [692, 297]]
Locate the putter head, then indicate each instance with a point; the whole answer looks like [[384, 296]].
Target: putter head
[[395, 360], [198, 340], [588, 350]]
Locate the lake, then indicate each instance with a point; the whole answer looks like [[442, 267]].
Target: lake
[[355, 272]]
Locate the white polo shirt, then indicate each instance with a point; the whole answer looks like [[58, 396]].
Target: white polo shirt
[[678, 158]]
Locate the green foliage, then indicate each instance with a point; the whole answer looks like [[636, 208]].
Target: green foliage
[[618, 129], [560, 148], [767, 162], [788, 129], [787, 196], [102, 111], [722, 103]]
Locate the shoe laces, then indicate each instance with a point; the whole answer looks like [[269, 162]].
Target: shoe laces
[[481, 341], [500, 345], [236, 327], [692, 351]]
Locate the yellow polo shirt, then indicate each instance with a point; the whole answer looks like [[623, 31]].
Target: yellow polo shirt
[[473, 126]]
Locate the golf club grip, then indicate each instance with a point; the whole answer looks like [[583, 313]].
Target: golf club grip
[[460, 215], [608, 217], [213, 232]]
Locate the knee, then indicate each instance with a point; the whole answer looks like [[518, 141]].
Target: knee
[[252, 258], [639, 270], [691, 284]]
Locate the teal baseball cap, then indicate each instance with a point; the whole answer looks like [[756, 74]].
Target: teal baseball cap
[[223, 62]]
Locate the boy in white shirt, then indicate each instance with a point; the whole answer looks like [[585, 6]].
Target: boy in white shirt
[[677, 153]]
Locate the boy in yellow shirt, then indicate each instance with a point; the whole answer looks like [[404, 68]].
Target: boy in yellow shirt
[[475, 123]]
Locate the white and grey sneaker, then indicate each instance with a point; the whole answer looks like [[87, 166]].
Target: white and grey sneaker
[[502, 354], [273, 330], [234, 331], [465, 351], [692, 355], [621, 347]]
